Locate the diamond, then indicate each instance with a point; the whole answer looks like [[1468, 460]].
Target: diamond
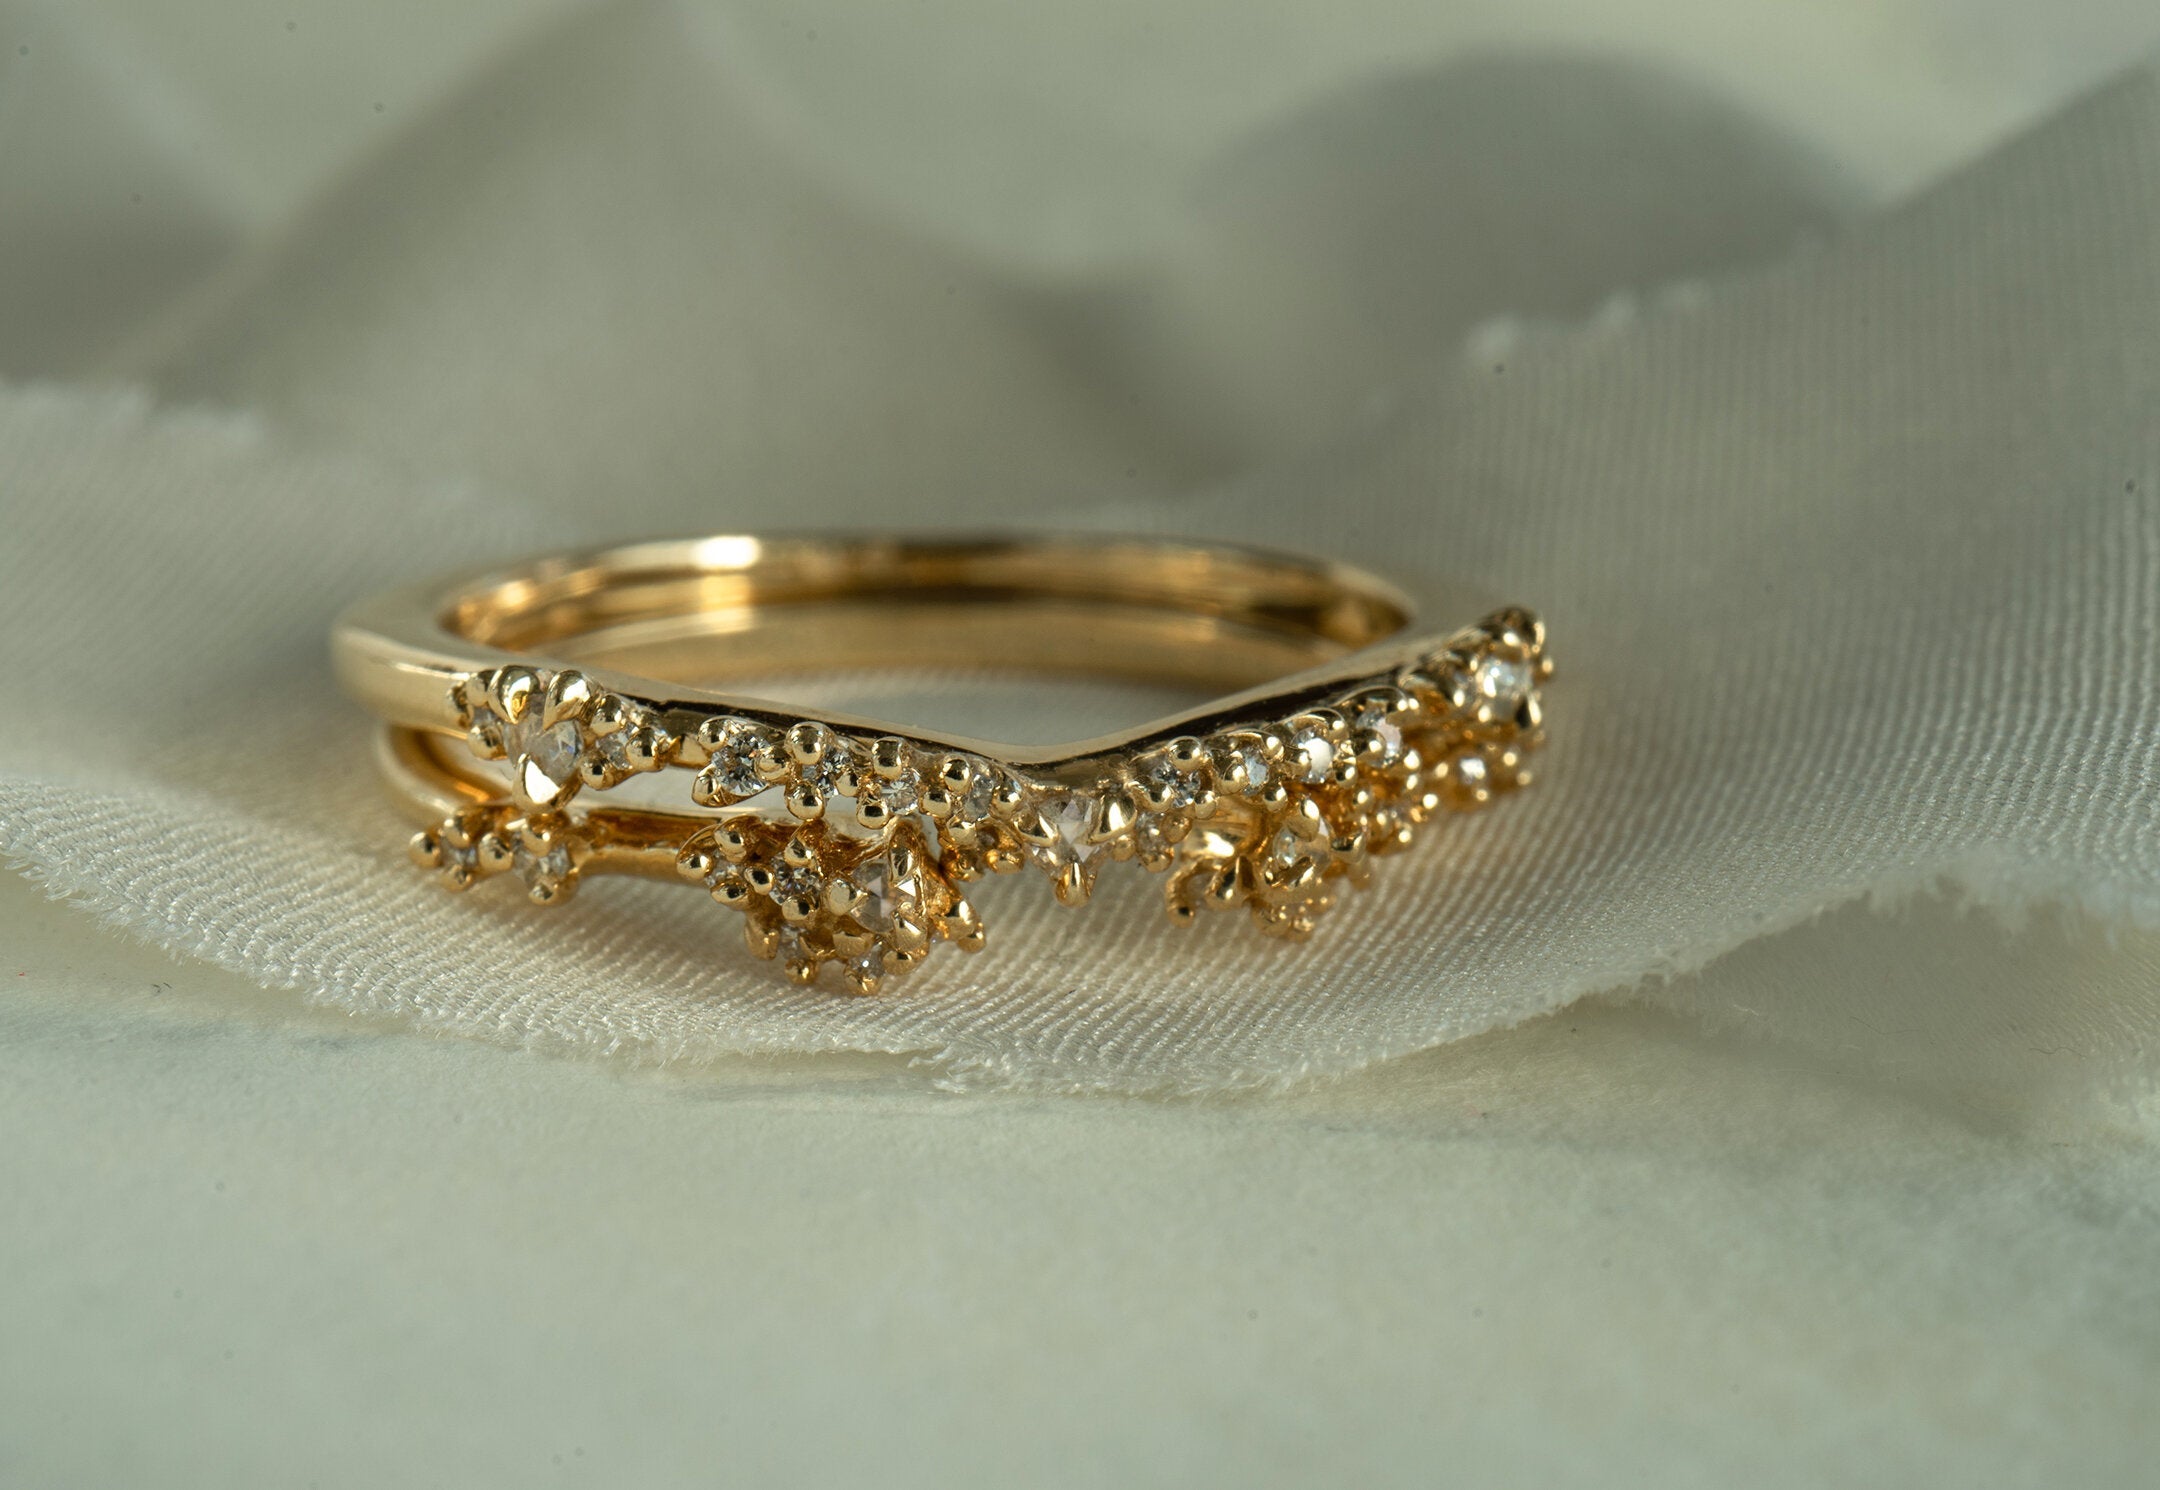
[[896, 793], [1287, 849], [1075, 820], [1243, 768], [1072, 815], [550, 867], [553, 751], [1150, 839], [886, 894], [823, 774], [1501, 679], [796, 882], [615, 749], [1172, 787], [1311, 755], [1391, 741], [734, 760], [980, 798], [1471, 770]]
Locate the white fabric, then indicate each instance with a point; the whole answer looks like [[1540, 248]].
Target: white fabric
[[1850, 556], [252, 1243], [1868, 1200]]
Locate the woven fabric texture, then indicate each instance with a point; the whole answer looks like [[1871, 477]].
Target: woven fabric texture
[[1846, 522]]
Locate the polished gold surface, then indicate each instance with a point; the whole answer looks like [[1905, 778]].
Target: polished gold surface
[[848, 840]]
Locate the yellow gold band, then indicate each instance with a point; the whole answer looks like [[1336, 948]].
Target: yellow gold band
[[1337, 731]]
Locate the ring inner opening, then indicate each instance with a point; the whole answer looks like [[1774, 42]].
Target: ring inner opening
[[716, 612]]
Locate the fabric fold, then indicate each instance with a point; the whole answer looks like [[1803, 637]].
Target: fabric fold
[[1853, 566]]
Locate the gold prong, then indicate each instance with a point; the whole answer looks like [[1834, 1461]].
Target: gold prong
[[510, 691], [762, 939], [1071, 885], [1112, 817], [532, 789], [1516, 629], [494, 854], [963, 927], [569, 695], [806, 743], [1219, 887], [607, 715], [645, 748]]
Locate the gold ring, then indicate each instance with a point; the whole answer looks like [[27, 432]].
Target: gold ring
[[535, 718]]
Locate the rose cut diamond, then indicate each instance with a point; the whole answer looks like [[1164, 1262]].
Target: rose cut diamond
[[1073, 817], [553, 751], [885, 893]]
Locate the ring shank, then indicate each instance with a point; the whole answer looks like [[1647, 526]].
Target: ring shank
[[671, 622]]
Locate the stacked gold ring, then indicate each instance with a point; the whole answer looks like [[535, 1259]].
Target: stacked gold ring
[[535, 718]]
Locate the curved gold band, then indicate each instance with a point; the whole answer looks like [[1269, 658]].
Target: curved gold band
[[850, 840]]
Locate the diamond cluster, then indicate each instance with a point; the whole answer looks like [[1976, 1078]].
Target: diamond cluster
[[558, 732], [856, 851]]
